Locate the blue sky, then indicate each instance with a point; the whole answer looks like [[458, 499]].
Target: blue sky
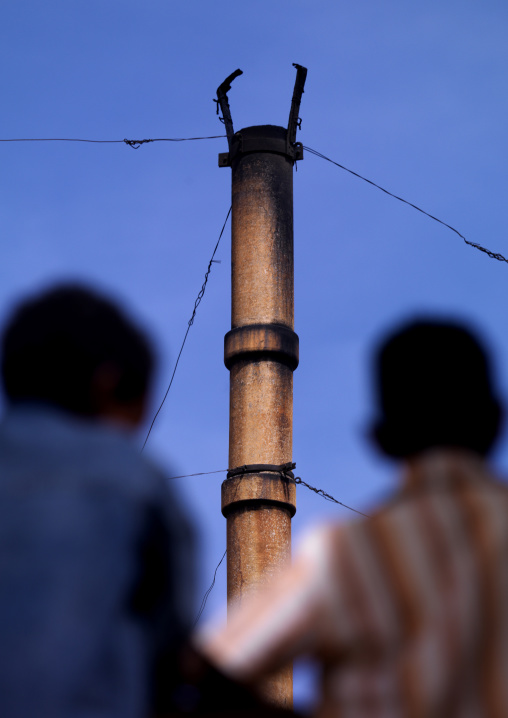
[[411, 95]]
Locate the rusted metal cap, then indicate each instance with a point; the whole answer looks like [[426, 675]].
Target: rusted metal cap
[[261, 138]]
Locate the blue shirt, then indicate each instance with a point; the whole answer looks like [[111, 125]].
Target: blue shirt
[[95, 570]]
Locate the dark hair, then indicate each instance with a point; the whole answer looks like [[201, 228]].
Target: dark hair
[[434, 389], [55, 341]]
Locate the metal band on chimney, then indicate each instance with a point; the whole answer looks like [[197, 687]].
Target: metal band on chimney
[[256, 485], [258, 342], [262, 138]]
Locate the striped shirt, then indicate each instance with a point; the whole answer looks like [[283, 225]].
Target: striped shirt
[[406, 612]]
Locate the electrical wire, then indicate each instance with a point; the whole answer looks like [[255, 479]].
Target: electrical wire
[[297, 480], [136, 144], [492, 255], [328, 497], [131, 143], [209, 590], [189, 324], [202, 473]]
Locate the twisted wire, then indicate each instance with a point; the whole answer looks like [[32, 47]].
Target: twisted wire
[[328, 497], [201, 473], [135, 144], [189, 324], [479, 247], [284, 474], [209, 590]]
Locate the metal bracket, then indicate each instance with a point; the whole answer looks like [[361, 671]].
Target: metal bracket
[[298, 151], [236, 143], [294, 122], [222, 100]]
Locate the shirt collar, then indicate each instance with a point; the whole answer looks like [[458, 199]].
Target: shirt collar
[[443, 466]]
